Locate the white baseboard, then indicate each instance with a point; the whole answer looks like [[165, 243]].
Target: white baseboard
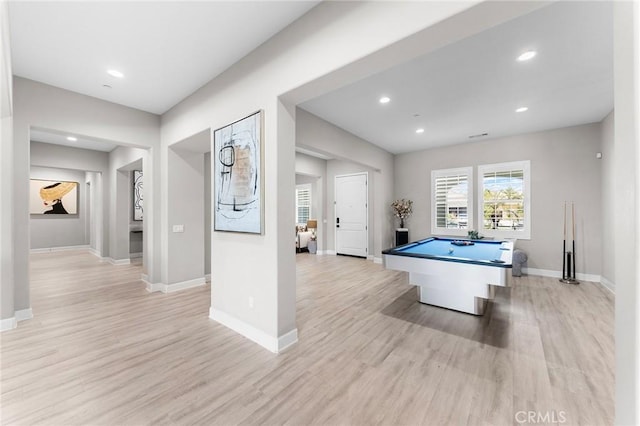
[[377, 260], [66, 248], [118, 262], [370, 257], [207, 278], [183, 285], [23, 314], [330, 252], [320, 252], [558, 274], [273, 344], [8, 324], [287, 340], [144, 277], [135, 255], [170, 288], [96, 253], [609, 285], [153, 287]]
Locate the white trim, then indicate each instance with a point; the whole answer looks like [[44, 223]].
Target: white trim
[[153, 287], [8, 324], [96, 253], [330, 252], [66, 248], [171, 288], [609, 285], [377, 260], [23, 314], [468, 172], [135, 255], [370, 257], [183, 285], [320, 252], [144, 277], [254, 334], [557, 274], [118, 262], [207, 278], [287, 340]]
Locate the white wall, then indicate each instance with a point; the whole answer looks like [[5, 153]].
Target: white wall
[[352, 154], [6, 175], [48, 231], [69, 158], [187, 207], [563, 167], [607, 138], [626, 229], [122, 161], [208, 228], [46, 107]]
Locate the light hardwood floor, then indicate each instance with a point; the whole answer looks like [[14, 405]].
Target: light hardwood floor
[[101, 350]]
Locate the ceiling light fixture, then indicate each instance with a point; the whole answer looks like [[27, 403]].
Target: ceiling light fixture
[[527, 55], [522, 109], [115, 73], [385, 100], [420, 131], [71, 138]]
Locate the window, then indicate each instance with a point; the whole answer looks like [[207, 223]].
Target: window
[[504, 200], [303, 204], [451, 199]]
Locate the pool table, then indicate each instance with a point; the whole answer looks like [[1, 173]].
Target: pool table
[[453, 275]]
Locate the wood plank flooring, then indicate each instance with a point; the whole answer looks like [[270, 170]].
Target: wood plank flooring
[[103, 351]]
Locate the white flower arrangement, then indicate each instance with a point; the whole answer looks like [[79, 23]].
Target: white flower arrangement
[[402, 209]]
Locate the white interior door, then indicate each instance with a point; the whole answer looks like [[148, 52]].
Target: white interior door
[[351, 215]]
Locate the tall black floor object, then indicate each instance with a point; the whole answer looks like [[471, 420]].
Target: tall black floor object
[[569, 257]]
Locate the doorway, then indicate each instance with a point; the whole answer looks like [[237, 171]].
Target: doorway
[[352, 214]]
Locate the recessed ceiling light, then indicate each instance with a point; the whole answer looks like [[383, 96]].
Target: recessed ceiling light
[[522, 109], [71, 138], [420, 131], [115, 73], [527, 55], [385, 100]]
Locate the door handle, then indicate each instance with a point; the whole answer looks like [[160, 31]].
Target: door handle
[[337, 222]]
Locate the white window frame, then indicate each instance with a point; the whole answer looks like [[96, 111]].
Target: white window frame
[[525, 166], [435, 230], [306, 186]]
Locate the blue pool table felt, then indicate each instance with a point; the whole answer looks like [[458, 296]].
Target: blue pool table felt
[[440, 248]]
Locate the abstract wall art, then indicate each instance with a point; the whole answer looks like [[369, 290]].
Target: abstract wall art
[[53, 197], [137, 192], [238, 181]]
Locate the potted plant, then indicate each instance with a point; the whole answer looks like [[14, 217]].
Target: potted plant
[[402, 209]]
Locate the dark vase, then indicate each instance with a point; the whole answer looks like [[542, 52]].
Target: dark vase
[[401, 222]]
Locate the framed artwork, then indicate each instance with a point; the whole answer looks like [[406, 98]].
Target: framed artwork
[[137, 193], [53, 197], [238, 176]]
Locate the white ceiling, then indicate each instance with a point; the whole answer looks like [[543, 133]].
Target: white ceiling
[[166, 49], [60, 138], [474, 86]]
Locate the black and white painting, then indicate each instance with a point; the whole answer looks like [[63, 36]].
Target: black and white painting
[[137, 195], [237, 159], [53, 197]]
